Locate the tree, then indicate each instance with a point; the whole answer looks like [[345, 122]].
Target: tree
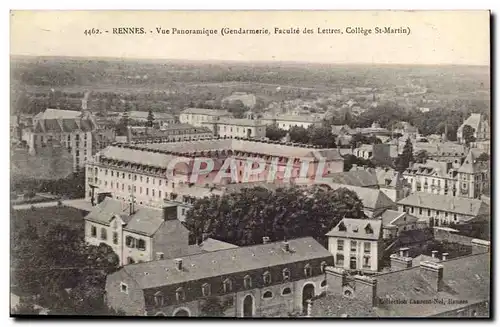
[[245, 217], [483, 157], [350, 160], [151, 118], [404, 159], [468, 134], [236, 107], [421, 156], [273, 132], [299, 134], [321, 136]]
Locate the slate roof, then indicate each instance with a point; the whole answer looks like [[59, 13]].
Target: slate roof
[[145, 220], [389, 215], [64, 125], [357, 228], [473, 120], [453, 204], [471, 164], [224, 262], [57, 114], [361, 178], [211, 245], [208, 112], [371, 198], [240, 122]]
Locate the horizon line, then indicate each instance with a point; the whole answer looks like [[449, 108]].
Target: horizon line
[[246, 61]]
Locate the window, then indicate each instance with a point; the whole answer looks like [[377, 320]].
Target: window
[[308, 271], [227, 285], [159, 194], [153, 192], [353, 246], [419, 211], [104, 234], [323, 266], [247, 281], [267, 295], [340, 259], [159, 299], [130, 242], [286, 275], [180, 295], [323, 283], [124, 288], [93, 231], [147, 180], [342, 227], [205, 289], [369, 229], [366, 262], [286, 291], [428, 212], [115, 238], [340, 245], [147, 191], [367, 247], [159, 182], [141, 244], [267, 278]]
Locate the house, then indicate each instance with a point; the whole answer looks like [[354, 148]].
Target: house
[[237, 127], [380, 153], [454, 288], [439, 209], [137, 233], [436, 177], [480, 125], [265, 280], [394, 222], [357, 244], [197, 116], [287, 121], [169, 133], [473, 176]]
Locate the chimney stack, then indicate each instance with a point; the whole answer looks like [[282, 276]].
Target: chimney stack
[[433, 273], [445, 256], [265, 240], [286, 246], [434, 254], [400, 262], [335, 279], [403, 252], [366, 289], [178, 264]]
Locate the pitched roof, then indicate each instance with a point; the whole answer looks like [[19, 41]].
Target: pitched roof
[[208, 112], [371, 198], [57, 114], [368, 229], [454, 204], [144, 115], [471, 165], [361, 178], [237, 122], [473, 121], [293, 118], [211, 244], [224, 262], [144, 220], [389, 216]]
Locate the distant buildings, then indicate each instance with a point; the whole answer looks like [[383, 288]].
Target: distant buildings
[[170, 133], [237, 127], [438, 210], [380, 153], [480, 125], [197, 116], [270, 279], [141, 117], [356, 244], [286, 121]]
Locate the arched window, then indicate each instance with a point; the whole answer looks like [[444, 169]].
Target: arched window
[[266, 278], [286, 291], [323, 266], [180, 295], [227, 285], [159, 299], [267, 295], [247, 281], [205, 289], [308, 270], [286, 275]]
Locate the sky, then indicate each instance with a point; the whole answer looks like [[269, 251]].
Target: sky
[[435, 37]]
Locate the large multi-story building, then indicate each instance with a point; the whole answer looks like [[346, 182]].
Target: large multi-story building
[[157, 172], [172, 132], [438, 210], [270, 279], [72, 129], [198, 116], [286, 121], [237, 127], [357, 244], [480, 125]]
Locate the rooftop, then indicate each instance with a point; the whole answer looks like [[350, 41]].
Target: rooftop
[[208, 112], [368, 229], [371, 198], [224, 262], [361, 178], [237, 122]]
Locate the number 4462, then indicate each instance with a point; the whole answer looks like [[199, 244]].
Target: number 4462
[[92, 31]]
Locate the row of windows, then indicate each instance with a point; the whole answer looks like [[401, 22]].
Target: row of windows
[[227, 285], [339, 258], [366, 246], [429, 212]]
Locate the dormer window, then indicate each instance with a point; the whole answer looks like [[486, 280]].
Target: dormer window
[[308, 271], [247, 281], [227, 285], [342, 227], [206, 290], [180, 295], [286, 275], [266, 278], [159, 299], [355, 229], [369, 229]]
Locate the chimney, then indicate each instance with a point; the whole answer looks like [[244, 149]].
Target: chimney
[[434, 254], [366, 289], [433, 273], [403, 252], [286, 246], [265, 240], [480, 246], [160, 256], [178, 264], [399, 262], [445, 256], [131, 207], [335, 279]]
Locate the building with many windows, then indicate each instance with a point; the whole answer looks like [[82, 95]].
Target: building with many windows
[[287, 121], [265, 280], [198, 116], [357, 244], [236, 127]]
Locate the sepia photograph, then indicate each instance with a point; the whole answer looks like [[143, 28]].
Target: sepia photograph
[[250, 164]]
